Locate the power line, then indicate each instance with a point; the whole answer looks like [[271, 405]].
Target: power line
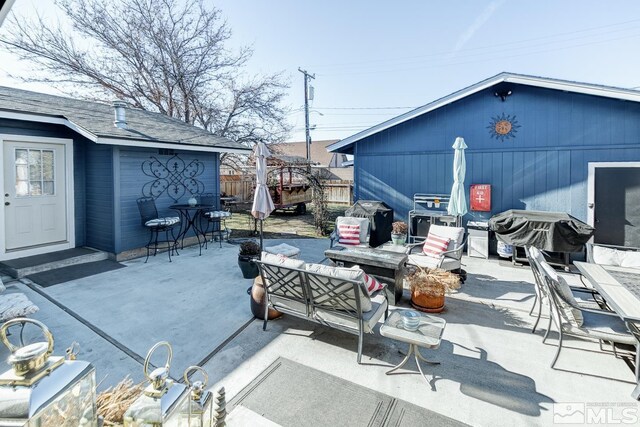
[[497, 56], [493, 46], [364, 108]]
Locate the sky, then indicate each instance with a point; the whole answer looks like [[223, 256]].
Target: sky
[[374, 60]]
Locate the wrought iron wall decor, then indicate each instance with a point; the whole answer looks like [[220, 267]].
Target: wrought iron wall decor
[[175, 177], [503, 127]]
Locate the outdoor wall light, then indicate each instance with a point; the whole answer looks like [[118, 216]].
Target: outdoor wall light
[[503, 94]]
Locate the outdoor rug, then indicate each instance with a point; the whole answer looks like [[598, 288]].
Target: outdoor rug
[[73, 272], [290, 394]]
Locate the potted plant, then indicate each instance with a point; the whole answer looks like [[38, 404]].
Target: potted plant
[[429, 286], [399, 232], [249, 251]]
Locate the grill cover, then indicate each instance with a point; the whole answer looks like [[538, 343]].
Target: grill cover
[[549, 231], [380, 216]]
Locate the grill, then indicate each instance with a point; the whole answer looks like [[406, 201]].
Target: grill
[[380, 216], [548, 231]]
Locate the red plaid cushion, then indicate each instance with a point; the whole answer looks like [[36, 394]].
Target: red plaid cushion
[[434, 246], [349, 234]]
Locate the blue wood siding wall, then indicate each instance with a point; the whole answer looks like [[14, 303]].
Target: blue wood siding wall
[[99, 197], [131, 234], [19, 127], [543, 168]]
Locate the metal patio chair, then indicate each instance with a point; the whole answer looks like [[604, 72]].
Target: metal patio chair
[[587, 297], [450, 259], [596, 324], [150, 219], [216, 219], [365, 229]]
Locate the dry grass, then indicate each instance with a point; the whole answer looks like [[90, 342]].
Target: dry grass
[[114, 401], [433, 281], [281, 225]]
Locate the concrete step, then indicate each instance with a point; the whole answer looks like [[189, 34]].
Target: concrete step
[[21, 267]]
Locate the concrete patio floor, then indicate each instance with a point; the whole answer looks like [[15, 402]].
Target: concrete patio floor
[[493, 370]]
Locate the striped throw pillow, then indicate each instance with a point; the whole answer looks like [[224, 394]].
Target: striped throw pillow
[[371, 284], [349, 234], [434, 246]]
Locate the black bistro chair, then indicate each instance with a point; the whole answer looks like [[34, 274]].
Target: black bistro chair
[[216, 219], [150, 219]]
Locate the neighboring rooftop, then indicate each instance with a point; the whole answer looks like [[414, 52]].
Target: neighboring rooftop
[[319, 153], [94, 120]]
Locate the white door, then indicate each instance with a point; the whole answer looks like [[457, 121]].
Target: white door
[[35, 204]]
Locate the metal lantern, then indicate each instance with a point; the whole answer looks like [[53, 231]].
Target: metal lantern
[[201, 403], [164, 403], [44, 390]]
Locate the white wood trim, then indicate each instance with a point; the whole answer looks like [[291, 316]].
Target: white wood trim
[[39, 118], [591, 184], [170, 146], [5, 10], [583, 88], [70, 197]]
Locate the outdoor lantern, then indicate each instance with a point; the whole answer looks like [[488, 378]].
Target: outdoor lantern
[[200, 412], [43, 390], [164, 403]]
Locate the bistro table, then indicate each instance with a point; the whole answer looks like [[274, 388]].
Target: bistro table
[[189, 215], [375, 262], [620, 287]]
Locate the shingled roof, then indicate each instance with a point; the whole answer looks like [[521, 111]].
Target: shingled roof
[[94, 120], [319, 153]]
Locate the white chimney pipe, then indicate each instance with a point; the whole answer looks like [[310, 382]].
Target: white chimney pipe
[[120, 114]]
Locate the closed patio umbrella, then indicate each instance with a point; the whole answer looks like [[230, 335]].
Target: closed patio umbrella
[[458, 202], [262, 203]]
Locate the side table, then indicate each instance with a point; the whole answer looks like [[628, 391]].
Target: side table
[[427, 335]]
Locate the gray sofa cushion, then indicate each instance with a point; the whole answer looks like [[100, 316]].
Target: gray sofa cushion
[[339, 273], [370, 318]]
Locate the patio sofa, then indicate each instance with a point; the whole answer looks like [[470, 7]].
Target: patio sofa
[[332, 296], [621, 256]]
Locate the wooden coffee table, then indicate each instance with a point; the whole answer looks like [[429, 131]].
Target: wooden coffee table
[[375, 262], [427, 335]]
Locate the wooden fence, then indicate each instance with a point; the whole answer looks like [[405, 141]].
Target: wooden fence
[[241, 186], [339, 192]]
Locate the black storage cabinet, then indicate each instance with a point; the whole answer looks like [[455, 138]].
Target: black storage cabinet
[[380, 216]]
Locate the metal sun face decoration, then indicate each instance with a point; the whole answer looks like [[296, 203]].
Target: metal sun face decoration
[[503, 127]]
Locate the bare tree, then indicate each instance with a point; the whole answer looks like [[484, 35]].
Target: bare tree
[[167, 56]]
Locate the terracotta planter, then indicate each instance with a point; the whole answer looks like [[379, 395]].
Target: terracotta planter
[[427, 303], [258, 301]]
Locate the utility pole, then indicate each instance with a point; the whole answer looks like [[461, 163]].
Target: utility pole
[[307, 77]]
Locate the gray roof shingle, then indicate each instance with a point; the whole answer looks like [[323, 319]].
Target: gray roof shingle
[[97, 119]]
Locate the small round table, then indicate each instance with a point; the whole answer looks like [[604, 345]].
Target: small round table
[[190, 214], [427, 335]]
